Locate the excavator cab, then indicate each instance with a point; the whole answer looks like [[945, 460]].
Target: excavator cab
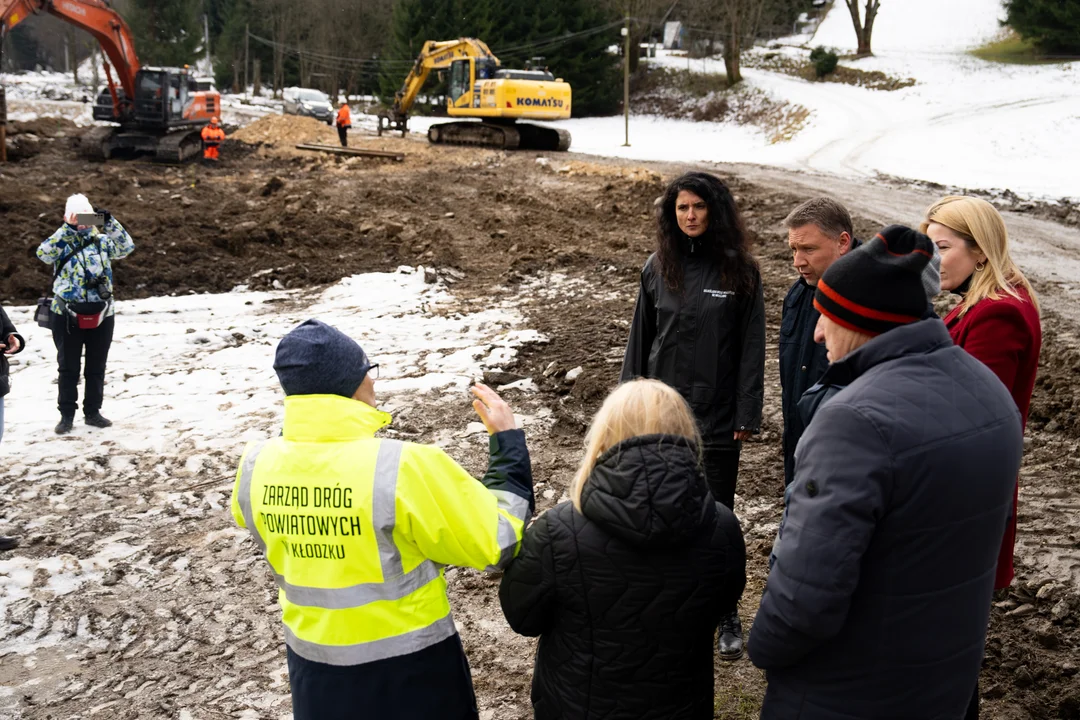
[[165, 99]]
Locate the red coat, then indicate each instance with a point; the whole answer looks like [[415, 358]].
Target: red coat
[[1006, 335]]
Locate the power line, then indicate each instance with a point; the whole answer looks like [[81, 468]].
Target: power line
[[355, 63]]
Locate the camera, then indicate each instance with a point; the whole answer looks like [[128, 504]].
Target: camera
[[101, 285]]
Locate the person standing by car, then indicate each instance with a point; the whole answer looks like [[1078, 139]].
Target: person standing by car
[[699, 326], [626, 583], [11, 342], [83, 306], [344, 122]]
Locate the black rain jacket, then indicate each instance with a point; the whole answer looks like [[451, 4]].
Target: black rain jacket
[[708, 343], [7, 328], [626, 595]]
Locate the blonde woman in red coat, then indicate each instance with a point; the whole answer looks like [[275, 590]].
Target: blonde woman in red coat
[[997, 322]]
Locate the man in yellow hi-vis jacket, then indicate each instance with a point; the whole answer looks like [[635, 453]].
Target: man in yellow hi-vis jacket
[[357, 531]]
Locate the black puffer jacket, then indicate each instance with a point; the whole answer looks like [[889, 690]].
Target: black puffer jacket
[[7, 328], [626, 597], [876, 605], [706, 342]]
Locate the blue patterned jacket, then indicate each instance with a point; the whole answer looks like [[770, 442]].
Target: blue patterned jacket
[[93, 259]]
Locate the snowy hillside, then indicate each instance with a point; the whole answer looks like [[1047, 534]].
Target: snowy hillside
[[938, 26], [966, 122]]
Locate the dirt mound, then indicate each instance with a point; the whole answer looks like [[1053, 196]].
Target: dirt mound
[[568, 236], [285, 131], [49, 127]]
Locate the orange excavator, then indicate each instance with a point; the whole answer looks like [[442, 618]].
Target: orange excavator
[[155, 109]]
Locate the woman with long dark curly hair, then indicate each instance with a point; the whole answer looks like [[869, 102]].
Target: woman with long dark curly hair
[[699, 326]]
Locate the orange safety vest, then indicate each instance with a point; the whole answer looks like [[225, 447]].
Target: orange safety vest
[[213, 135], [343, 116]]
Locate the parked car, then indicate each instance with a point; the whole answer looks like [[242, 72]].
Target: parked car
[[313, 103]]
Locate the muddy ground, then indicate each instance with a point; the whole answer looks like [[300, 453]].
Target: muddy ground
[[191, 630]]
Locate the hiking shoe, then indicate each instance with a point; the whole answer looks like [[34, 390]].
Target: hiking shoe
[[98, 420], [8, 543], [64, 426], [730, 643]]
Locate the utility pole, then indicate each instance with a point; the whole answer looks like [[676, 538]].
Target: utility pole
[[626, 80], [247, 42], [206, 40]]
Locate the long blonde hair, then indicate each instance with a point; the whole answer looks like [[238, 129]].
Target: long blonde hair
[[981, 226], [638, 407]]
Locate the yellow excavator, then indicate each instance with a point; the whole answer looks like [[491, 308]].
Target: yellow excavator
[[481, 88]]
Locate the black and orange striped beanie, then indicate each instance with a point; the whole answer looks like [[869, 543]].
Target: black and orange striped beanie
[[878, 286]]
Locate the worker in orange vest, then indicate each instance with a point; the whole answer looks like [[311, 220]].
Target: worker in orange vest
[[212, 136], [344, 122]]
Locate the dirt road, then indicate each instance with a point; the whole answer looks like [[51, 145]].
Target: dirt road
[[175, 615]]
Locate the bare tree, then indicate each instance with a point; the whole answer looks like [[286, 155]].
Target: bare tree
[[735, 23], [863, 28]]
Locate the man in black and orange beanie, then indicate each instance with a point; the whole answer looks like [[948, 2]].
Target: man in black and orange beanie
[[879, 287], [883, 568]]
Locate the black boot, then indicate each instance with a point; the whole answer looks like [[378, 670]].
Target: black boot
[[64, 426], [98, 420], [8, 543], [730, 643]]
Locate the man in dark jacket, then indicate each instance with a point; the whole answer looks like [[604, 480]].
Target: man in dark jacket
[[11, 342], [819, 233], [876, 606]]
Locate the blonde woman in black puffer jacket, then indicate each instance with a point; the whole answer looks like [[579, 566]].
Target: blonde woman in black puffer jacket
[[627, 583]]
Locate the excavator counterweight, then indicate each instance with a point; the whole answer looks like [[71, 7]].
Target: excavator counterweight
[[496, 97]]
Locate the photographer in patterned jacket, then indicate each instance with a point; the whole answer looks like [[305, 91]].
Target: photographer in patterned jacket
[[81, 253]]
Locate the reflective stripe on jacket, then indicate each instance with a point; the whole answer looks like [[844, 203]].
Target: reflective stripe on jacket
[[357, 529]]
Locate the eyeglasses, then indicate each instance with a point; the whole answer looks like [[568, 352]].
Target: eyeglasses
[[374, 371]]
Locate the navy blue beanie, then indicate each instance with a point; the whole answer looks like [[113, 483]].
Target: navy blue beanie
[[318, 359]]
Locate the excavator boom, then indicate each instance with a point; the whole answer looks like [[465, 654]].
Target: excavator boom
[[96, 18], [437, 56]]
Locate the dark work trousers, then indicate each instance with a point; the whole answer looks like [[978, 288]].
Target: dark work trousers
[[343, 135], [973, 706], [70, 341], [721, 471], [432, 683]]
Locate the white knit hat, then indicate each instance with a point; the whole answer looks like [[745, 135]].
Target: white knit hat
[[77, 204]]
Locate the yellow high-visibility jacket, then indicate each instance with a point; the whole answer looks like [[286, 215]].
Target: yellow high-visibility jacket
[[357, 529]]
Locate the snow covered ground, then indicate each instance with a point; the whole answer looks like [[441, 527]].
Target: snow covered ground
[[966, 122], [191, 378]]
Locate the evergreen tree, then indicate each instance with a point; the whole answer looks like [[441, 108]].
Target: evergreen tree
[[1053, 25], [229, 46], [167, 32]]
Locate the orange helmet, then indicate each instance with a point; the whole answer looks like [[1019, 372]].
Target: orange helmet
[[214, 120]]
